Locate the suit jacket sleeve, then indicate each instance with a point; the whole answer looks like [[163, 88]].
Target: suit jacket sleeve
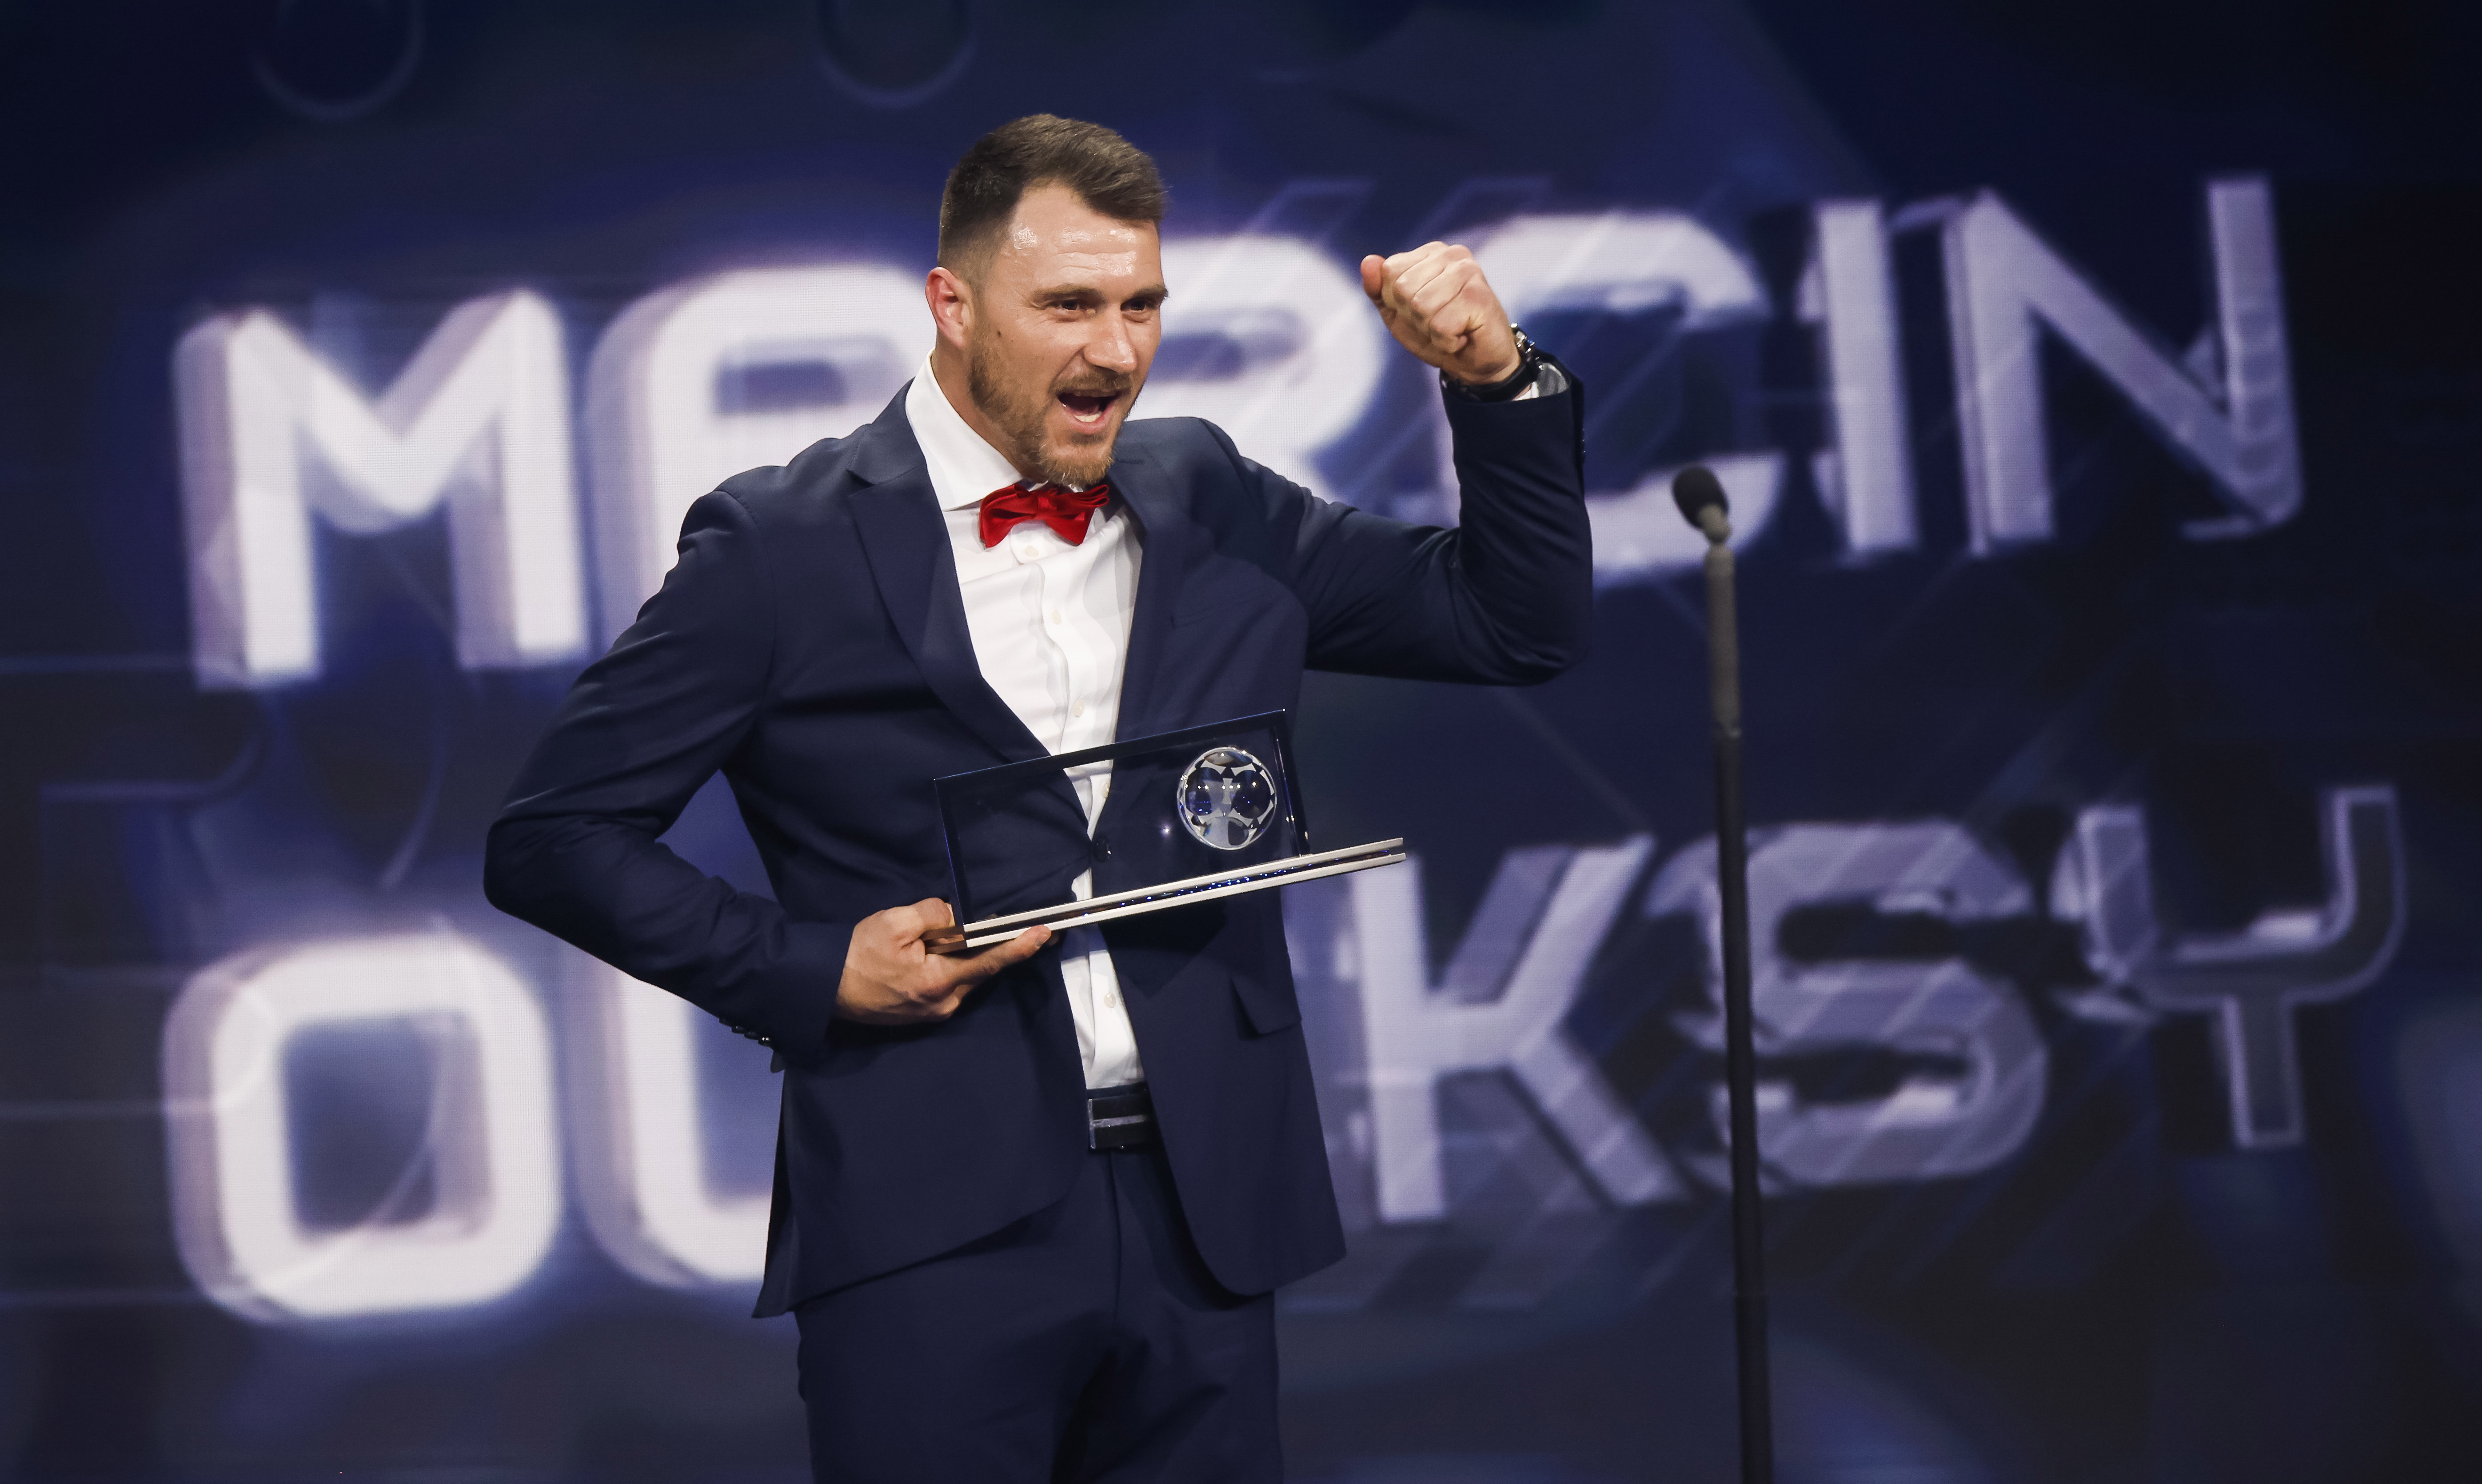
[[1505, 598], [575, 851]]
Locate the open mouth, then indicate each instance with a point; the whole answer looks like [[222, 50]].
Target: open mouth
[[1088, 409]]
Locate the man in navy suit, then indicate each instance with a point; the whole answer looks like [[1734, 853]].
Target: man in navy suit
[[1031, 1203]]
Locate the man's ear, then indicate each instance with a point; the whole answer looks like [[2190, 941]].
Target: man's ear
[[952, 306]]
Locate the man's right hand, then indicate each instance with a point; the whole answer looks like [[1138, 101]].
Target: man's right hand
[[890, 979]]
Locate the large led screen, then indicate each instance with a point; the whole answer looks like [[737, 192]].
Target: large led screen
[[2109, 567]]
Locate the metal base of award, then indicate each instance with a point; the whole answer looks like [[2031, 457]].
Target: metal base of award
[[1204, 813]]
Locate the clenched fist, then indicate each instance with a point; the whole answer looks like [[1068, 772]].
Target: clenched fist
[[1437, 304], [890, 979]]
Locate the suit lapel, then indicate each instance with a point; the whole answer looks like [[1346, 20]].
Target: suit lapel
[[1172, 545], [906, 544]]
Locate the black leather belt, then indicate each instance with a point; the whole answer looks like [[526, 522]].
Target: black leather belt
[[1119, 1116]]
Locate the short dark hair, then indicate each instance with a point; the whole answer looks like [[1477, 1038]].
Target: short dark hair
[[1108, 174]]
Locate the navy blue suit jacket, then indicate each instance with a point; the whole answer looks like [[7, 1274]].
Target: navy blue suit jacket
[[811, 643]]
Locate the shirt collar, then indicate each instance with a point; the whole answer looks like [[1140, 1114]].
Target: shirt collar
[[964, 465]]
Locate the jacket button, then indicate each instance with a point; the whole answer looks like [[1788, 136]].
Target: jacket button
[[1102, 847]]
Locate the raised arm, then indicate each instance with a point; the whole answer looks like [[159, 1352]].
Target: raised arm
[[1506, 599]]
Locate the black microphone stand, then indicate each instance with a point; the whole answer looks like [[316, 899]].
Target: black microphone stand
[[1701, 498]]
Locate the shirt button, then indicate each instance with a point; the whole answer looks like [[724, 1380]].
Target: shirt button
[[1055, 614], [1079, 709], [1111, 1000]]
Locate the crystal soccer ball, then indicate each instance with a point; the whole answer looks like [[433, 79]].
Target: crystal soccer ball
[[1227, 798]]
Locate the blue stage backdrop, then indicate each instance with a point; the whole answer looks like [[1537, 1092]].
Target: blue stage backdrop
[[2098, 397]]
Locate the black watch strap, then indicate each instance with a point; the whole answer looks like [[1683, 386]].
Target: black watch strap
[[1529, 364]]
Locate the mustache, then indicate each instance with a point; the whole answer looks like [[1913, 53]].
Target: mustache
[[1095, 386]]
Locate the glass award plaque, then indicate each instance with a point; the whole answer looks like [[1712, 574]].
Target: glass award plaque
[[1194, 815]]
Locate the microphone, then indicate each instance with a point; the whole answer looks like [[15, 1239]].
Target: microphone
[[1699, 494]]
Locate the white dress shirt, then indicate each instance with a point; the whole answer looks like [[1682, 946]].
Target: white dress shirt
[[1050, 625]]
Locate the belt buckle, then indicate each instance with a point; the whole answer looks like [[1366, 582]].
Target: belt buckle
[[1119, 1116]]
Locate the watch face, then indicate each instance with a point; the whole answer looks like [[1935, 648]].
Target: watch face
[[1226, 798]]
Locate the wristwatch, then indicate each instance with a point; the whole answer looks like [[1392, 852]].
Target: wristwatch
[[1530, 366]]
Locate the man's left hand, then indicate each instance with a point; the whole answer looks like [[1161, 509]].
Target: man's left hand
[[1439, 305]]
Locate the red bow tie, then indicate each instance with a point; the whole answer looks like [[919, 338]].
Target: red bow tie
[[1066, 510]]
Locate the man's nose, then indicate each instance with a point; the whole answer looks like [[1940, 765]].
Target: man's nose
[[1109, 348]]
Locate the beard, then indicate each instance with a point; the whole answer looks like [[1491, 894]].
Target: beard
[[1019, 413]]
